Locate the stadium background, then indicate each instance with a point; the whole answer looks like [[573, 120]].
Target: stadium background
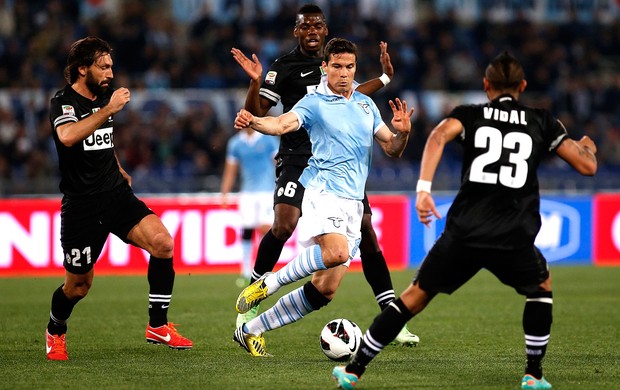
[[175, 57]]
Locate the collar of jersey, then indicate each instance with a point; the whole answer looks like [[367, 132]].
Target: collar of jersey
[[323, 89]]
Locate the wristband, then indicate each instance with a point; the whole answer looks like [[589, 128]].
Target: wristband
[[385, 79], [423, 185]]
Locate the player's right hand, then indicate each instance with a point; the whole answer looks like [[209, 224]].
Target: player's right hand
[[587, 143], [119, 98], [244, 119], [252, 67], [425, 208]]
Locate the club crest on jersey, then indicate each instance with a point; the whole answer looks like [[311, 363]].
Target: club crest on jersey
[[270, 78], [99, 140], [365, 107], [68, 110], [337, 221]]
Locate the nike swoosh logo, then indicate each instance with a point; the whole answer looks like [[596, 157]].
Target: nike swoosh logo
[[165, 306], [166, 338], [354, 345], [305, 74], [48, 349]]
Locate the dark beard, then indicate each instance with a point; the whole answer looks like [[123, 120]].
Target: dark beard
[[91, 84]]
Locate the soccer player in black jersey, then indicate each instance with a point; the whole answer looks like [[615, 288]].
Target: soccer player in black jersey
[[291, 77], [98, 199], [495, 216]]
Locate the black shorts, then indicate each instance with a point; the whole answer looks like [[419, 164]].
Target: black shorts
[[288, 188], [450, 263], [87, 221]]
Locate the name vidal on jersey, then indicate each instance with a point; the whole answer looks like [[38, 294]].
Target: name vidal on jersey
[[100, 139], [514, 116]]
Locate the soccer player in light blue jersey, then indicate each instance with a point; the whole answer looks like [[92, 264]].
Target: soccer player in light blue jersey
[[342, 124], [252, 155]]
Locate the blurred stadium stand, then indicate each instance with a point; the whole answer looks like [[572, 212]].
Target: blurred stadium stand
[[175, 57]]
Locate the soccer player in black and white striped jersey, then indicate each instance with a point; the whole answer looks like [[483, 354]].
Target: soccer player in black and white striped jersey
[[494, 218], [98, 199]]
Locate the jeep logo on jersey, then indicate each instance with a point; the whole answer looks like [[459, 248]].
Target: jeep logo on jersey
[[100, 139]]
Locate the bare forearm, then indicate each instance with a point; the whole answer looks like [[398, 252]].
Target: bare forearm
[[370, 86], [252, 99], [397, 145], [433, 150], [72, 133], [267, 125]]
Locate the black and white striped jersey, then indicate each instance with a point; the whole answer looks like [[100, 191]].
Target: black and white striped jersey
[[290, 78], [498, 203], [88, 167]]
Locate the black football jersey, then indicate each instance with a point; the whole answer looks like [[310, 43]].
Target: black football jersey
[[498, 203], [88, 167], [289, 79]]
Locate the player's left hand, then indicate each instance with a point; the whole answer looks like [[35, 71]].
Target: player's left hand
[[244, 119], [402, 118], [386, 63]]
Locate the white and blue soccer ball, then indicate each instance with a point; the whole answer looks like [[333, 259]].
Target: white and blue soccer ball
[[340, 339]]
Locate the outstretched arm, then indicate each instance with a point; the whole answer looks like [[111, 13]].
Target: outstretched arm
[[254, 103], [444, 132], [581, 155], [372, 86], [269, 125], [393, 144]]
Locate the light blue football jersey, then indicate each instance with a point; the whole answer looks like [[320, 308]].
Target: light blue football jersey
[[254, 154], [341, 131]]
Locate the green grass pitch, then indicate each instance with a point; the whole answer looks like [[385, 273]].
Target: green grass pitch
[[470, 340]]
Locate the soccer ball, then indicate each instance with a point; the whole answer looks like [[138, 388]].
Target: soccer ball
[[340, 339]]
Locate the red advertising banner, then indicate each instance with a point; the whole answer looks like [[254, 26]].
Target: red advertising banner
[[606, 239], [206, 236]]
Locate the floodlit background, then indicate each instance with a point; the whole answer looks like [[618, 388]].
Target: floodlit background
[[174, 55]]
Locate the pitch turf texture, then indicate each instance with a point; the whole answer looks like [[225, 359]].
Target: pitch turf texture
[[470, 340]]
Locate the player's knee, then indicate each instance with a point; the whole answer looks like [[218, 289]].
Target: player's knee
[[283, 230], [333, 257], [76, 291], [163, 245]]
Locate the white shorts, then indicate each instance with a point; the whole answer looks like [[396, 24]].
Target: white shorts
[[327, 213], [256, 209]]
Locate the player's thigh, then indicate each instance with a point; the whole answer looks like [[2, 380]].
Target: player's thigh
[[366, 204], [125, 218], [82, 235], [324, 213], [523, 269], [447, 266], [151, 235]]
